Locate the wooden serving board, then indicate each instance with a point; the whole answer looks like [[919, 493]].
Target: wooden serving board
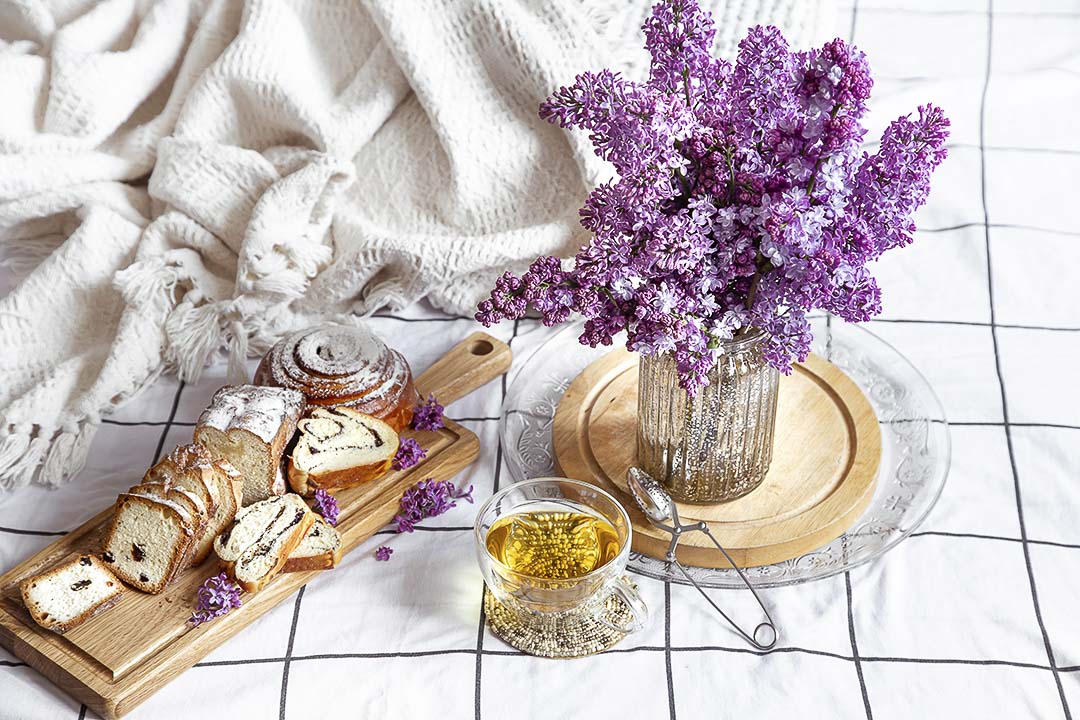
[[826, 452], [120, 658]]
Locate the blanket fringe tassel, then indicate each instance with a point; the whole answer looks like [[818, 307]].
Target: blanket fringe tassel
[[148, 283], [238, 350], [67, 455], [194, 333], [47, 457]]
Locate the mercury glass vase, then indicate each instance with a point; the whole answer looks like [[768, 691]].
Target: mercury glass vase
[[715, 446]]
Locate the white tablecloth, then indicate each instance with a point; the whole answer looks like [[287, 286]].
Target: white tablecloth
[[974, 616]]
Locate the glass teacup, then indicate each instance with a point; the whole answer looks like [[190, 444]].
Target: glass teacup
[[556, 548]]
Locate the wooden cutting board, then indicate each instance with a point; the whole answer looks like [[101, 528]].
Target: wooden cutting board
[[826, 452], [123, 656]]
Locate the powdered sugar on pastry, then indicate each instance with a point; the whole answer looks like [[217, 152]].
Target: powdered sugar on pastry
[[335, 365], [336, 351], [249, 425], [258, 409]]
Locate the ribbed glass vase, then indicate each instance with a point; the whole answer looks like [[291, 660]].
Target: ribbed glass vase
[[716, 446]]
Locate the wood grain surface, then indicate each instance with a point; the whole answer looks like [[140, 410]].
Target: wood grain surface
[[120, 658], [826, 453]]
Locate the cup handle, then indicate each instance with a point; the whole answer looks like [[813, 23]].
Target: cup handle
[[639, 612]]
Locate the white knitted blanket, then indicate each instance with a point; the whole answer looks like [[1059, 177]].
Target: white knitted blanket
[[181, 177]]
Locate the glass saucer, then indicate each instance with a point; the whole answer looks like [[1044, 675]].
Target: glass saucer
[[915, 447]]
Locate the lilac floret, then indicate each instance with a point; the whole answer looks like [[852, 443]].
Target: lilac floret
[[326, 505], [215, 597], [428, 415], [743, 199], [427, 498], [462, 494], [383, 553], [409, 453]]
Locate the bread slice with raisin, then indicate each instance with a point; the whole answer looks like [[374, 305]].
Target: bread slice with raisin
[[258, 543], [148, 541], [70, 594], [339, 448], [215, 480], [319, 550]]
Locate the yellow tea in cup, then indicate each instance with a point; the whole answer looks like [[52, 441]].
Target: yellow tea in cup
[[553, 551], [554, 545]]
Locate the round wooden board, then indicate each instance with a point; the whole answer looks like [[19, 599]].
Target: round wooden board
[[825, 460]]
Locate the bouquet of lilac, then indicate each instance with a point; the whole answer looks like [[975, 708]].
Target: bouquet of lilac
[[743, 199]]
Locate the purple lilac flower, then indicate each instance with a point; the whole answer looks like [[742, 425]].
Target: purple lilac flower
[[326, 505], [215, 597], [409, 453], [383, 553], [429, 415], [427, 498], [459, 494], [679, 37], [404, 523], [743, 199]]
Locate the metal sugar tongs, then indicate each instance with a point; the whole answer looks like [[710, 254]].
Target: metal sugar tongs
[[658, 506]]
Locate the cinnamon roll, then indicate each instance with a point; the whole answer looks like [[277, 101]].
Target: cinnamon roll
[[338, 365]]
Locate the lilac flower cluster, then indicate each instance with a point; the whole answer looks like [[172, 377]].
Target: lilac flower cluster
[[326, 505], [383, 553], [428, 415], [743, 199], [428, 498], [409, 453], [216, 596]]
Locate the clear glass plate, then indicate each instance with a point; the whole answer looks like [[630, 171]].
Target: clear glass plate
[[915, 448]]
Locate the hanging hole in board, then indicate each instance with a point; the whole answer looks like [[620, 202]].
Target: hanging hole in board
[[481, 347]]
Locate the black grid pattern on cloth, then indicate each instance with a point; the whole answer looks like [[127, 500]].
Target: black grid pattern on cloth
[[997, 358], [669, 650], [496, 477]]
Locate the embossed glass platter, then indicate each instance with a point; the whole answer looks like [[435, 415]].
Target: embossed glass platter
[[915, 448]]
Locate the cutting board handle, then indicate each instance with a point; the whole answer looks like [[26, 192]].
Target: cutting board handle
[[472, 363]]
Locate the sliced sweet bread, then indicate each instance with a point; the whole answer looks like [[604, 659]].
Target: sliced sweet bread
[[320, 549], [70, 594], [186, 499], [216, 481], [250, 524], [190, 467], [148, 541], [249, 426], [338, 448], [258, 543]]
